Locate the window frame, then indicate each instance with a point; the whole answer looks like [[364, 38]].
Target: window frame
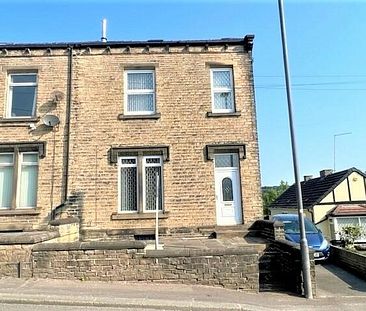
[[120, 165], [338, 226], [139, 92], [235, 160], [229, 90], [13, 166], [17, 170], [11, 86], [141, 177], [144, 165]]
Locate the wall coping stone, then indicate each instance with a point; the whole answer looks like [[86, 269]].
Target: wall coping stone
[[94, 245], [186, 252], [27, 237], [65, 221]]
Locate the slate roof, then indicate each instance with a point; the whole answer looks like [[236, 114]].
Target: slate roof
[[313, 190], [247, 41]]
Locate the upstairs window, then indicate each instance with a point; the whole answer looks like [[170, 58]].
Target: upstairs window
[[222, 90], [22, 95], [139, 92]]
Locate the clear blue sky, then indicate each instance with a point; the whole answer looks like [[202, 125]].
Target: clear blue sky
[[327, 53]]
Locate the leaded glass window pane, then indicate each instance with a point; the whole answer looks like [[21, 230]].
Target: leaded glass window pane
[[128, 161], [221, 78], [223, 100], [140, 102], [227, 189], [226, 160], [150, 188], [140, 81], [152, 160], [128, 189]]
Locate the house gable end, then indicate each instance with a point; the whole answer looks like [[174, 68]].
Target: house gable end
[[315, 191]]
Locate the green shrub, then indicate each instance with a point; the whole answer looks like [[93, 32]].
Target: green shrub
[[349, 234]]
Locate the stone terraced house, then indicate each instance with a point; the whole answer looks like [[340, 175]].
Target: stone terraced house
[[90, 130]]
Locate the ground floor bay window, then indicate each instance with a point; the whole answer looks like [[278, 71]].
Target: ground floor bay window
[[138, 181], [342, 222], [18, 179]]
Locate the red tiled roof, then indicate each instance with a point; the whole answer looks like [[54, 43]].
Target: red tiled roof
[[349, 210]]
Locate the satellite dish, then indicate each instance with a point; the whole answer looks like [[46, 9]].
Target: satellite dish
[[50, 120]]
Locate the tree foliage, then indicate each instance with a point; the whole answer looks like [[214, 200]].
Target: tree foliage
[[270, 194]]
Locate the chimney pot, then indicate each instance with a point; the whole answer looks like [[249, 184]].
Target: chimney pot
[[326, 172], [308, 177]]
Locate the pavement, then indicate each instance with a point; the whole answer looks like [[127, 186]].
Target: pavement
[[337, 291]]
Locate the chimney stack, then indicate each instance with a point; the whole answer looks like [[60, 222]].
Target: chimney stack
[[104, 30], [308, 177], [326, 172]]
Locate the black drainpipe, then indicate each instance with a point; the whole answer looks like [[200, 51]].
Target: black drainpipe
[[68, 117]]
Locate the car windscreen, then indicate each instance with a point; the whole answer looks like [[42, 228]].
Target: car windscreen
[[292, 226]]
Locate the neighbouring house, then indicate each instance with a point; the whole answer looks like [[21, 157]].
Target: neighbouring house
[[89, 130], [332, 201]]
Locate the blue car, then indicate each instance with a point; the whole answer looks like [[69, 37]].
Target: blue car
[[315, 238]]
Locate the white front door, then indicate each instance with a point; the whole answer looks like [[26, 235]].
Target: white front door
[[227, 188]]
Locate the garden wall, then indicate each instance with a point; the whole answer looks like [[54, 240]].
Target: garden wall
[[349, 260], [280, 264], [235, 268]]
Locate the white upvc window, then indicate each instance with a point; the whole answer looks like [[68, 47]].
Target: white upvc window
[[341, 222], [6, 179], [22, 94], [222, 94], [128, 181], [138, 182], [27, 180], [152, 166], [18, 180], [139, 92]]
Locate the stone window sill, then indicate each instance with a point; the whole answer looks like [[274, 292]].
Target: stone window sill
[[130, 216], [21, 212], [139, 117], [19, 120], [221, 115]]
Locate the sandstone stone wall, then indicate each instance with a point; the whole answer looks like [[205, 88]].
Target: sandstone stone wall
[[52, 77], [15, 261], [234, 268], [183, 99], [352, 261]]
